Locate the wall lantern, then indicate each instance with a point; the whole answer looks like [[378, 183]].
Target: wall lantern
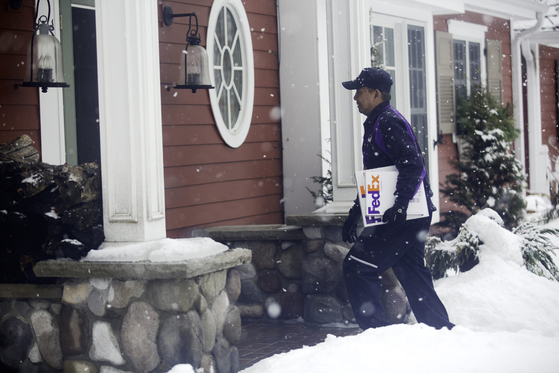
[[194, 71], [44, 56]]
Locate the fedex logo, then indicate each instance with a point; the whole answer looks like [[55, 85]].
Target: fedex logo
[[373, 189], [373, 219]]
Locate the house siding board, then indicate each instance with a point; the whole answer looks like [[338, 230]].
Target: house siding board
[[212, 214], [206, 174], [208, 134], [189, 155], [177, 114], [266, 60], [212, 192], [250, 220], [12, 65], [208, 183], [548, 85], [267, 7], [187, 100], [19, 108]]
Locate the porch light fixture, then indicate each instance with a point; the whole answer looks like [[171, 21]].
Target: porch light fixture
[[44, 56], [194, 71]]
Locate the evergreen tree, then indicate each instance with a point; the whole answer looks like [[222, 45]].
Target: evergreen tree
[[488, 174]]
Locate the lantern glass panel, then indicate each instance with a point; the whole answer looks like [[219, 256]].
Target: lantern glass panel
[[44, 59], [194, 67]]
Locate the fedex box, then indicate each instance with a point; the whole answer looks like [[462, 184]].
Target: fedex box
[[376, 189]]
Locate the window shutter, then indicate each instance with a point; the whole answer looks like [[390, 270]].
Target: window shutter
[[494, 69], [557, 107], [445, 82]]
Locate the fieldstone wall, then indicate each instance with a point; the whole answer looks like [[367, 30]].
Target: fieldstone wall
[[296, 271], [115, 325]]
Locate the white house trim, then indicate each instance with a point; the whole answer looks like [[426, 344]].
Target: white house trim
[[130, 120], [53, 148], [234, 137]]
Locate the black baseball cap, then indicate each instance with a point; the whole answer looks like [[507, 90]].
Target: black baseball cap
[[371, 77]]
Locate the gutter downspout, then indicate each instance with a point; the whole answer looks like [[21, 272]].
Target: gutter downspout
[[519, 145]]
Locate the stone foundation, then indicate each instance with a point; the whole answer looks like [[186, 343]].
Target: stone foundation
[[124, 317], [296, 271]]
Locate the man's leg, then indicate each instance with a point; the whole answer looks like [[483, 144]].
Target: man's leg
[[377, 249], [417, 282], [363, 283]]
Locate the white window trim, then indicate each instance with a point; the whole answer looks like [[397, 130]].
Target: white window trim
[[233, 138], [471, 32], [402, 99], [51, 107]]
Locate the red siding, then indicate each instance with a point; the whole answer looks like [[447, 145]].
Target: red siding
[[548, 86], [497, 29], [208, 183], [19, 108]]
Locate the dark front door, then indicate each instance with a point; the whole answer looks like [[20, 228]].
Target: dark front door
[[85, 76]]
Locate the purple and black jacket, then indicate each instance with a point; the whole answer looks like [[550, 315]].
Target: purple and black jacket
[[389, 140]]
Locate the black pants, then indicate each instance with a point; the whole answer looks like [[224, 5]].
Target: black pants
[[402, 248]]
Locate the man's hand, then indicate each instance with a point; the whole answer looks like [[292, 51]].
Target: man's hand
[[349, 231], [396, 215]]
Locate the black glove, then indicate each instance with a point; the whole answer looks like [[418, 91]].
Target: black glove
[[349, 231], [396, 215]]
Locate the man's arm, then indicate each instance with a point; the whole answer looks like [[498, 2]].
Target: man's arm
[[403, 151]]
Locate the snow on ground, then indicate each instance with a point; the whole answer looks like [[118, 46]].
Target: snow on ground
[[507, 322], [163, 250]]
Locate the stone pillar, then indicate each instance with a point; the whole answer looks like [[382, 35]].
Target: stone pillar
[[130, 120]]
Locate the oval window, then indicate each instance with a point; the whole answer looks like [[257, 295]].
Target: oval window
[[229, 48]]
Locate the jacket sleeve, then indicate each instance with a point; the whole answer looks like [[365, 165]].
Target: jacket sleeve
[[403, 150]]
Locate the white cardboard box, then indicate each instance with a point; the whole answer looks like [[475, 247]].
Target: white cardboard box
[[376, 189]]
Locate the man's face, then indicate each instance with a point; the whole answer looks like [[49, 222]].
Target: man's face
[[367, 99]]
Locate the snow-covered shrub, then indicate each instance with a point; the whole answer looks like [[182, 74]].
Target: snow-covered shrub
[[445, 258], [488, 175], [458, 255], [537, 249]]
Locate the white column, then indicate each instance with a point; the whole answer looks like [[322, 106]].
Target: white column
[[130, 120], [538, 155]]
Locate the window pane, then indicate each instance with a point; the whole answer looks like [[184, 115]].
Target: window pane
[[217, 75], [235, 107], [475, 63], [220, 29], [389, 46], [238, 82], [217, 55], [223, 107], [418, 94], [378, 44], [382, 53], [231, 28], [460, 83], [237, 57], [227, 68], [392, 73]]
